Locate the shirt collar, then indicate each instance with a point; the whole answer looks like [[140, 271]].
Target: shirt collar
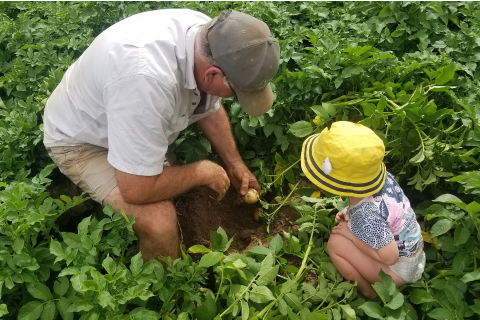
[[190, 82]]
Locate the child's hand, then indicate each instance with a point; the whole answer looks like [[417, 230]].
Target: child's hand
[[340, 217], [344, 230]]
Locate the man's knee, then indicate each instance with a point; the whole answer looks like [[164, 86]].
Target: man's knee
[[157, 218]]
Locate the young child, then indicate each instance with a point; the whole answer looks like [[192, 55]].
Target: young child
[[378, 230]]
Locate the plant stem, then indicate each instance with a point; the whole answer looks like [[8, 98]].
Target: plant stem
[[307, 252], [321, 304], [281, 173], [220, 286], [333, 305], [240, 297], [270, 216]]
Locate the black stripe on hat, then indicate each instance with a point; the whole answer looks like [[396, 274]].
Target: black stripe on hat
[[375, 181]]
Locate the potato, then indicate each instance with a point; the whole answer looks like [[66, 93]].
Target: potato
[[257, 214], [295, 230], [251, 196]]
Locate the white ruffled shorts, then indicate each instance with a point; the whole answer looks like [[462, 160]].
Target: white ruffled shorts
[[410, 269]]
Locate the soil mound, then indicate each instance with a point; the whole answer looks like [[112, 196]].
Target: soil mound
[[199, 213]]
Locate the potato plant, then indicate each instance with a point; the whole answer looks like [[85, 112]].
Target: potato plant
[[408, 70]]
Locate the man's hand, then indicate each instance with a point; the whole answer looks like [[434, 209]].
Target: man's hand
[[217, 178], [242, 179]]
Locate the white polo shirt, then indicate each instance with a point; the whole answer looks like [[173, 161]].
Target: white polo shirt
[[132, 91]]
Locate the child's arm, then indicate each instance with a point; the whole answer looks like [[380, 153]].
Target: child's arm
[[387, 254]]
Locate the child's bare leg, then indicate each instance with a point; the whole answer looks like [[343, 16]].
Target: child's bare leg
[[355, 265], [350, 273]]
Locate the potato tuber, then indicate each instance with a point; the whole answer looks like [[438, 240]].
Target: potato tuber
[[295, 230], [257, 214], [251, 196]]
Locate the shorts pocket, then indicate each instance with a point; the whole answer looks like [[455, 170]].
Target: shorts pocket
[[72, 153]]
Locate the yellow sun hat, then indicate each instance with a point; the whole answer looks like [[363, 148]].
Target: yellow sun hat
[[345, 159]]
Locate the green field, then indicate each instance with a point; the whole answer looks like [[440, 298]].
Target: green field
[[408, 70]]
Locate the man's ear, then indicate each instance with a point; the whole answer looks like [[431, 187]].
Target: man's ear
[[212, 75]]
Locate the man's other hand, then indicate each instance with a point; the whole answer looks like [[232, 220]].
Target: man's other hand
[[242, 179]]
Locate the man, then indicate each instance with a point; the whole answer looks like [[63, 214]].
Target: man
[[109, 122]]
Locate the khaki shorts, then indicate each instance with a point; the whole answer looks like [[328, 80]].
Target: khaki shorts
[[87, 166]]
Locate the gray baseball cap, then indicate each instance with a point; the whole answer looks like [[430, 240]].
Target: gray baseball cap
[[243, 47]]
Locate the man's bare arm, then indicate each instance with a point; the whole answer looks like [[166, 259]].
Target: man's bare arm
[[216, 128], [172, 182]]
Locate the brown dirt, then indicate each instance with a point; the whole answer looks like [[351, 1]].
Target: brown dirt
[[199, 213]]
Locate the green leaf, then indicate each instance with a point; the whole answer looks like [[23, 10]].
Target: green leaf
[[397, 301], [461, 235], [18, 245], [219, 240], [419, 296], [440, 314], [352, 70], [446, 75], [381, 104], [267, 263], [105, 299], [83, 227], [210, 259], [136, 264], [198, 249], [382, 291], [80, 305], [317, 316], [261, 294], [268, 129], [282, 307], [388, 282], [276, 244], [39, 291], [63, 304], [293, 301], [475, 307], [61, 286], [419, 157], [472, 208], [245, 310], [448, 198], [3, 309], [260, 250], [267, 277], [440, 227], [48, 311], [471, 276], [373, 310], [368, 109], [292, 315], [109, 265], [144, 314], [30, 311], [108, 210], [183, 316], [461, 261], [301, 129], [348, 310]]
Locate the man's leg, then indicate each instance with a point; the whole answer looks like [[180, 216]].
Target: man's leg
[[155, 226], [155, 223], [355, 265]]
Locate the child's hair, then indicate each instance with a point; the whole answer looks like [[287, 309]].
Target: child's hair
[[345, 159]]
